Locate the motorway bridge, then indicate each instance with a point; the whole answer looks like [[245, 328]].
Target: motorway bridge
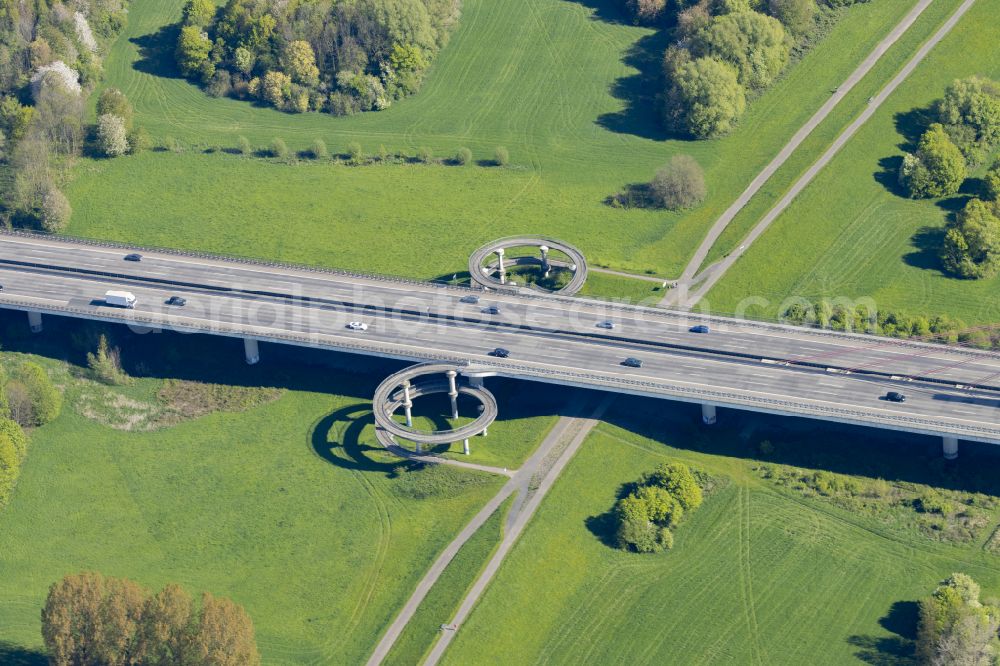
[[952, 392]]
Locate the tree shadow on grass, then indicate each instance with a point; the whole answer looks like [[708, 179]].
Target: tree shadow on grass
[[888, 175], [156, 52], [896, 650], [16, 655], [927, 255], [912, 124], [641, 92]]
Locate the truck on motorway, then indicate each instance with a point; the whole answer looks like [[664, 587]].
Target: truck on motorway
[[120, 299]]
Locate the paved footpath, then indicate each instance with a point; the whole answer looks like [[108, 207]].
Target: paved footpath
[[711, 275], [679, 295], [576, 430], [520, 483]]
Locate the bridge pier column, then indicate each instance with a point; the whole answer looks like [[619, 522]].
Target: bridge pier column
[[35, 321], [950, 447], [707, 414], [465, 447], [545, 259], [503, 271], [251, 351], [408, 404], [453, 393]]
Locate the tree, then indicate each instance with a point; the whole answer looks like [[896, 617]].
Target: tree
[[318, 150], [676, 478], [198, 13], [679, 184], [44, 400], [500, 156], [706, 98], [354, 153], [244, 60], [661, 507], [13, 448], [224, 635], [299, 62], [753, 43], [114, 102], [112, 136], [645, 11], [971, 246], [643, 536], [276, 87], [167, 626], [56, 210], [279, 148], [992, 181], [243, 146], [193, 49], [795, 15], [973, 102], [937, 169], [463, 156], [106, 365]]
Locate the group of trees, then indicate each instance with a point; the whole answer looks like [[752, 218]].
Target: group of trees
[[27, 399], [874, 321], [341, 57], [723, 52], [91, 619], [955, 627], [655, 504], [50, 57]]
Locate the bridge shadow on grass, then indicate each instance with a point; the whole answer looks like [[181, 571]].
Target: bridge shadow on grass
[[812, 444], [156, 52], [336, 438], [895, 650], [16, 655]]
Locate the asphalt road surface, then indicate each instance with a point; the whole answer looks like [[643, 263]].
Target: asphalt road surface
[[767, 367]]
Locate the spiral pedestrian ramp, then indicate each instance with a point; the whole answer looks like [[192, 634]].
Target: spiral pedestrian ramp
[[400, 389], [482, 272]]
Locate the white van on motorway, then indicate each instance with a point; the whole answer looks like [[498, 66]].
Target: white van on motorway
[[120, 299]]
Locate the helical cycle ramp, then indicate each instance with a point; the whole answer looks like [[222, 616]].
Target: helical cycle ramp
[[482, 273], [401, 388]]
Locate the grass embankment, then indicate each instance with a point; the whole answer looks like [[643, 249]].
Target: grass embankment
[[852, 234], [759, 573], [514, 74], [289, 507]]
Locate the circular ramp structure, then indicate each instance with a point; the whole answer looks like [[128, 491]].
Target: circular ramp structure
[[401, 388], [493, 274]]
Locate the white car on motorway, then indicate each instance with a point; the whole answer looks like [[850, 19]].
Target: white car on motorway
[[358, 326]]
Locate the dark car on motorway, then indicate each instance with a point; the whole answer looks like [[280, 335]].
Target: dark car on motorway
[[631, 362], [895, 396], [700, 328], [500, 352], [176, 300], [471, 298], [135, 256], [607, 323], [491, 310]]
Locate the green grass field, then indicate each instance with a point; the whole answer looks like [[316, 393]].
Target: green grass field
[[757, 574], [515, 73], [849, 234], [290, 508]]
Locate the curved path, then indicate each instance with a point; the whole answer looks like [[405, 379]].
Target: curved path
[[478, 258], [680, 295], [388, 399]]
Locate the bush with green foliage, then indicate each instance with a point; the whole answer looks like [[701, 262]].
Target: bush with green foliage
[[13, 449], [32, 397], [796, 15], [705, 98], [55, 210], [425, 155], [243, 146], [937, 169], [971, 247], [341, 57], [659, 501], [318, 150], [991, 182], [279, 149], [955, 627], [501, 157], [679, 184], [112, 136], [970, 112], [463, 156], [354, 153], [106, 365], [753, 43]]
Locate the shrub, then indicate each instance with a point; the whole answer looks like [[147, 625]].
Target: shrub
[[643, 537], [679, 184], [318, 150], [463, 156], [931, 502], [34, 400], [706, 98], [113, 102], [992, 182], [56, 210], [354, 153], [795, 15], [676, 479], [106, 364], [753, 43], [13, 447], [173, 145], [139, 140], [425, 155], [112, 135], [501, 157], [279, 149], [383, 154], [661, 507], [243, 146]]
